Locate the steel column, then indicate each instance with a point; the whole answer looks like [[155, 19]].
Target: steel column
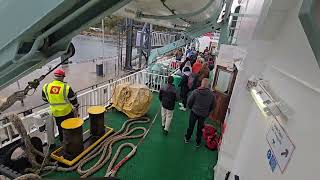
[[129, 30]]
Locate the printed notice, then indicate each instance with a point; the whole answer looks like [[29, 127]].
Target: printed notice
[[280, 144]]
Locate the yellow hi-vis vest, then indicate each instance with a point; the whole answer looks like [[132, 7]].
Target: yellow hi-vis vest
[[57, 96]]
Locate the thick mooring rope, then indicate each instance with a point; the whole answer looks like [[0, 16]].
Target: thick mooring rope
[[28, 177], [16, 121], [104, 150]]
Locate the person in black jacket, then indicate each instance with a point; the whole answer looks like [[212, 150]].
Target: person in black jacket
[[168, 97], [184, 87], [184, 63], [201, 102]]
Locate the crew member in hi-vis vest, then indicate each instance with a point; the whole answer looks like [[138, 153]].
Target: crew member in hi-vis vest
[[63, 101]]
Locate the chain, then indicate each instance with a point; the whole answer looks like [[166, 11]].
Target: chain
[[20, 95]]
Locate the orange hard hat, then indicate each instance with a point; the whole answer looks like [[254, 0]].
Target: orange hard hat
[[59, 73]]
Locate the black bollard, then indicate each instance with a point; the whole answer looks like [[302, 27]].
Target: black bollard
[[72, 138], [96, 116]]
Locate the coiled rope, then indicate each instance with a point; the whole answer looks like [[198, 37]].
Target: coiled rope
[[104, 150]]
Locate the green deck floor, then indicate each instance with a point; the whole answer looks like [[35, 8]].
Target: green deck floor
[[159, 157]]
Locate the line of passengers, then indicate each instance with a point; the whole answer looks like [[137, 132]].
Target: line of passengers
[[195, 93]]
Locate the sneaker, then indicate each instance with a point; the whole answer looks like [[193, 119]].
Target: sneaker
[[181, 104], [198, 145], [183, 108], [165, 132], [186, 140]]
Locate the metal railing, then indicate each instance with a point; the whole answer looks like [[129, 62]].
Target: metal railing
[[101, 95]]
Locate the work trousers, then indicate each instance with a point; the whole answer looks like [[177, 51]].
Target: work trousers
[[59, 120], [192, 122], [166, 118]]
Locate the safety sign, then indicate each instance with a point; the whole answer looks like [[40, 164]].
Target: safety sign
[[272, 160], [280, 144]]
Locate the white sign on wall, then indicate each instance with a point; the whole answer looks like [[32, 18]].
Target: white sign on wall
[[280, 144]]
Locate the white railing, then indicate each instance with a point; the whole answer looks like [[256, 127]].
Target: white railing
[[161, 39], [97, 96], [158, 39]]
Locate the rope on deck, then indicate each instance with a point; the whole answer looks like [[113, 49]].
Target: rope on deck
[[28, 177], [104, 150]]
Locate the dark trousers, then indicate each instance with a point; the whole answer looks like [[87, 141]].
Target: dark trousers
[[59, 120], [192, 122], [184, 101]]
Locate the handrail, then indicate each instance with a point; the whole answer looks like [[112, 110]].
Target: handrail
[[95, 96], [90, 87]]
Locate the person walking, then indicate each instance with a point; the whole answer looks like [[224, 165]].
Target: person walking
[[168, 96], [184, 86], [201, 102], [61, 98]]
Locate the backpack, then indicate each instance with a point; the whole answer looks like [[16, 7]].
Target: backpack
[[207, 131], [212, 142], [190, 81]]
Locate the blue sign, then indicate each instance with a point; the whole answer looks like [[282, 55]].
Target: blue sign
[[272, 160]]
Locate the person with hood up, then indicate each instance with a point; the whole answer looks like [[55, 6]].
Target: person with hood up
[[186, 71], [201, 102]]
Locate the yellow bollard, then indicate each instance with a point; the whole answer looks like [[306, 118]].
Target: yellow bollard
[[72, 138], [96, 116]]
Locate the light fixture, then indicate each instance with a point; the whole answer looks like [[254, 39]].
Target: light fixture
[[259, 101], [263, 98]]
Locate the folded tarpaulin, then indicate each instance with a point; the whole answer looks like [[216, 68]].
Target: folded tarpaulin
[[132, 99]]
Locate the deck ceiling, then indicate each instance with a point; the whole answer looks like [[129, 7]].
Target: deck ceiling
[[155, 7]]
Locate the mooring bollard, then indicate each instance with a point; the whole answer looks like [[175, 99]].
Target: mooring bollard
[[96, 116], [72, 137]]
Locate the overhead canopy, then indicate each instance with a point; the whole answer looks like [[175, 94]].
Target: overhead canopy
[[34, 33], [207, 8]]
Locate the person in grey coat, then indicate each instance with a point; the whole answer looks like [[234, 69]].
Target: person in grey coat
[[201, 102]]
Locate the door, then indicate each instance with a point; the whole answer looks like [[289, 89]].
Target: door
[[222, 87]]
